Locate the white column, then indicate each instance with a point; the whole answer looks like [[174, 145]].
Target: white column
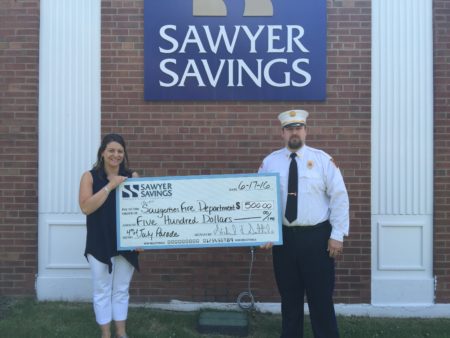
[[69, 134], [402, 152]]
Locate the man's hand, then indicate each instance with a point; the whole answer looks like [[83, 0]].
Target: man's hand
[[267, 246], [335, 247]]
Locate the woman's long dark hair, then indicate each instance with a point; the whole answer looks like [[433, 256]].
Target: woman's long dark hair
[[100, 164]]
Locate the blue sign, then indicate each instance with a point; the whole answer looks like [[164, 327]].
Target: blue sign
[[235, 50]]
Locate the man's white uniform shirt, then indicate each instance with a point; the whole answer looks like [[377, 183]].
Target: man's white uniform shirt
[[321, 190]]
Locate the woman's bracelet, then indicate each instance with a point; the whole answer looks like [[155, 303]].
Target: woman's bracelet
[[106, 189]]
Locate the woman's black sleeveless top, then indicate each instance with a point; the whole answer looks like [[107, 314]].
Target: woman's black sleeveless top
[[101, 241]]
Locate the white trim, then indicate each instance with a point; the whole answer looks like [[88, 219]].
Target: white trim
[[367, 310], [402, 161], [387, 230], [64, 288], [69, 134]]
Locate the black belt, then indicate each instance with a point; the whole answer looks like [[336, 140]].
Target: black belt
[[305, 227]]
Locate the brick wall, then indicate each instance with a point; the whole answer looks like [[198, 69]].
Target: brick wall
[[442, 149], [189, 138], [185, 138], [19, 36]]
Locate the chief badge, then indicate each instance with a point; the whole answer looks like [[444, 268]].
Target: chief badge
[[310, 164]]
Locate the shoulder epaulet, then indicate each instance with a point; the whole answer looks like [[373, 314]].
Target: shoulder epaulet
[[278, 151], [320, 152], [275, 153]]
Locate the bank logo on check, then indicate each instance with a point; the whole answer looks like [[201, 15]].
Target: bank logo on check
[[130, 191]]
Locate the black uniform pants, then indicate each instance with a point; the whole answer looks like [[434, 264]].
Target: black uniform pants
[[303, 265]]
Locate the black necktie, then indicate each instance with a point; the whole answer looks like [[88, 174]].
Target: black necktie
[[291, 205]]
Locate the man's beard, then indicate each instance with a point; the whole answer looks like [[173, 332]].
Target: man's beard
[[295, 143]]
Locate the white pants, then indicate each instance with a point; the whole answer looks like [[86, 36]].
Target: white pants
[[110, 290]]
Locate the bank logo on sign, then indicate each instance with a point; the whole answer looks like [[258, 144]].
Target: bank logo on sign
[[218, 8], [130, 191], [235, 50]]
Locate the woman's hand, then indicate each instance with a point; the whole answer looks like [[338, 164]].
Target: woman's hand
[[90, 202], [115, 181]]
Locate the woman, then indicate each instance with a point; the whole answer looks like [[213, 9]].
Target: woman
[[111, 269]]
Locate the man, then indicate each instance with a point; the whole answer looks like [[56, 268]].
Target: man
[[315, 220]]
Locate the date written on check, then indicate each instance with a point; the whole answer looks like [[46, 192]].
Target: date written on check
[[198, 211]]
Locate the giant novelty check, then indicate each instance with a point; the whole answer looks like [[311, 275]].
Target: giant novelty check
[[198, 211]]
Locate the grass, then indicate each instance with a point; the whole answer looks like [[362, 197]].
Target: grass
[[30, 319]]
